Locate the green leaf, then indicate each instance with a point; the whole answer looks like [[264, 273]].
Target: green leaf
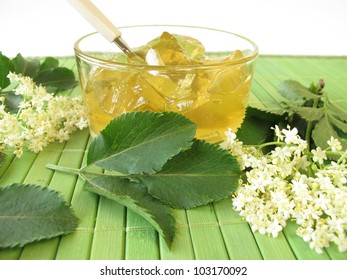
[[48, 64], [12, 102], [200, 175], [155, 163], [256, 127], [5, 67], [295, 92], [337, 123], [336, 112], [26, 67], [307, 113], [48, 74], [141, 142], [59, 77], [136, 197], [30, 213], [322, 133]]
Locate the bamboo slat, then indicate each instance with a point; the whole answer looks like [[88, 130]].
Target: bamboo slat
[[238, 237], [182, 247], [206, 234], [141, 239]]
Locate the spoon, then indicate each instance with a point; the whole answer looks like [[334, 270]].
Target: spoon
[[100, 22]]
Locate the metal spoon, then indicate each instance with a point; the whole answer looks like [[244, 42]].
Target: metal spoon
[[100, 22]]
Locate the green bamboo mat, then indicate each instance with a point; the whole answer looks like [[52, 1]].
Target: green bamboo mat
[[108, 230]]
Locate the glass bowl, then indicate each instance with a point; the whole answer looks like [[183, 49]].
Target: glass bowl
[[203, 73]]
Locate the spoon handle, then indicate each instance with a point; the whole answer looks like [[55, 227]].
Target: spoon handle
[[100, 22]]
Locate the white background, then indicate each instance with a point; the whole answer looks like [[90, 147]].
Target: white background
[[294, 27]]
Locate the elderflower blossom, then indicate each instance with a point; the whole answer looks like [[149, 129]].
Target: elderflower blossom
[[334, 144], [277, 189], [42, 118], [319, 155]]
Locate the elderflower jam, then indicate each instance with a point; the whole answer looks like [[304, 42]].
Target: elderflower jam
[[200, 73]]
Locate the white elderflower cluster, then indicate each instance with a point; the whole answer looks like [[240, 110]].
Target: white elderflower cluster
[[293, 183], [42, 118]]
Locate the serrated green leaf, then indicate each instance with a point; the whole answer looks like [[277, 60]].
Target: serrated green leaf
[[30, 213], [5, 67], [26, 67], [12, 102], [137, 198], [336, 111], [337, 123], [322, 133], [59, 77], [307, 113], [267, 114], [200, 175], [254, 131], [48, 64], [141, 142], [155, 166], [256, 127], [48, 74], [276, 111], [295, 92]]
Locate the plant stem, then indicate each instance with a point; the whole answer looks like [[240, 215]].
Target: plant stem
[[63, 169], [274, 143], [82, 172], [4, 92]]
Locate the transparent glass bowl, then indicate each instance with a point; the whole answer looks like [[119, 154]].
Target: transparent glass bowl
[[213, 94]]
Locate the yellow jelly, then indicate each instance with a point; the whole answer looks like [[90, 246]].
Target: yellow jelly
[[212, 92]]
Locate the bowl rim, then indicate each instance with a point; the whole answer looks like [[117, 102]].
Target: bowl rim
[[111, 64]]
